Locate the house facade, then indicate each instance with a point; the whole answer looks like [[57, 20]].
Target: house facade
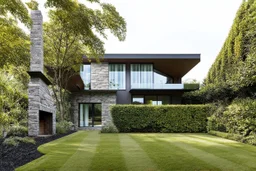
[[127, 79]]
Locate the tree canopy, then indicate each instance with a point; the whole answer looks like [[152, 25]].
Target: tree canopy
[[71, 33]]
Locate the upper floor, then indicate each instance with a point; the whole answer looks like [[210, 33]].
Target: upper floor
[[137, 71]]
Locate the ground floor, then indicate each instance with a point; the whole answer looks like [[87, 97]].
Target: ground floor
[[92, 108], [89, 150]]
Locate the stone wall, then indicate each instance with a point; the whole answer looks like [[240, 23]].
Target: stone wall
[[39, 98], [106, 99], [99, 76]]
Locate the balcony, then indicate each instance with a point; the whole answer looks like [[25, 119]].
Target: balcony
[[185, 86]]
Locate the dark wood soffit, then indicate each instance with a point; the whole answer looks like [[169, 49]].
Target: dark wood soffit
[[173, 67]]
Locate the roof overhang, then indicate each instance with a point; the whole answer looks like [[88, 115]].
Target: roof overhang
[[175, 65]]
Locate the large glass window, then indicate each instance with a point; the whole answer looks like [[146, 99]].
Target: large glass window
[[90, 115], [137, 99], [141, 75], [117, 76], [85, 73], [161, 80], [151, 99]]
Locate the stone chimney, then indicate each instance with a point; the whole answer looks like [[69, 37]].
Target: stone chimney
[[41, 108]]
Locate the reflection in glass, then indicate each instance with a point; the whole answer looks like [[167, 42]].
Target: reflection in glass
[[138, 100], [117, 76], [90, 115], [85, 73], [141, 75]]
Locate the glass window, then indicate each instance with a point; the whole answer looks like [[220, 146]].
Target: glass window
[[141, 75], [138, 99], [160, 80], [85, 73], [117, 76]]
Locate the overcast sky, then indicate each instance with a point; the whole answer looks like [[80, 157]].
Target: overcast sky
[[174, 26]]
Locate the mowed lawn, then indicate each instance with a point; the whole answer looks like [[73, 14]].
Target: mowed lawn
[[90, 150]]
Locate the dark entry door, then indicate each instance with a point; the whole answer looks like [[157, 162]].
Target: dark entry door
[[90, 115]]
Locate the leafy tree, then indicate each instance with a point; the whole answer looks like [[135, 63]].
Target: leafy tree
[[75, 30], [13, 95], [14, 44]]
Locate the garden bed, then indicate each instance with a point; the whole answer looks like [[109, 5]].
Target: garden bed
[[12, 157]]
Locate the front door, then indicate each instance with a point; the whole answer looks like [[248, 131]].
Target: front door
[[89, 115]]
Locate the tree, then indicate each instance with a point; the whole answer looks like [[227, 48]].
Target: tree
[[13, 95], [73, 31]]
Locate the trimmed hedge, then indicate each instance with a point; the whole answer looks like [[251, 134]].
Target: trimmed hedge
[[165, 118]]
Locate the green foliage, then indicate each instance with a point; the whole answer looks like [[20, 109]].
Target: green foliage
[[191, 86], [241, 117], [210, 93], [235, 63], [66, 40], [63, 127], [17, 130], [14, 43], [109, 128], [166, 118], [13, 95], [16, 8], [14, 141], [236, 119], [33, 5]]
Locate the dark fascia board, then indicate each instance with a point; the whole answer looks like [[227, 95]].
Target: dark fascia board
[[157, 90], [151, 56], [39, 74]]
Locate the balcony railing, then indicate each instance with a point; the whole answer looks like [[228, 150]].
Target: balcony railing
[[185, 86]]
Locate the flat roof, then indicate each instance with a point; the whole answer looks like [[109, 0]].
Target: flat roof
[[150, 56]]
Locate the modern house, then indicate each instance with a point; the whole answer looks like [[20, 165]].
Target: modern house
[[128, 79], [118, 79]]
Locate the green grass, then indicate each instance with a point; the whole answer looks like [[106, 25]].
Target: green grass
[[86, 150]]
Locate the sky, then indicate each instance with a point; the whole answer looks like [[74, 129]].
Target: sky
[[174, 26]]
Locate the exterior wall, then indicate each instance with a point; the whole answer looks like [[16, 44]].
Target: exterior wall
[[99, 76], [39, 99], [106, 99]]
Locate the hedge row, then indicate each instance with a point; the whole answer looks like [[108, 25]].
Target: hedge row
[[166, 118]]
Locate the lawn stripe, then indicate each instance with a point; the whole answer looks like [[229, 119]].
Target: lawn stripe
[[168, 156], [108, 155], [230, 143], [210, 158], [56, 153], [224, 151], [135, 157], [81, 160]]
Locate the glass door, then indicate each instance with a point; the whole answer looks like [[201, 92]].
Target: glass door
[[89, 115]]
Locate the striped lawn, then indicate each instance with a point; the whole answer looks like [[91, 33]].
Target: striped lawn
[[90, 150]]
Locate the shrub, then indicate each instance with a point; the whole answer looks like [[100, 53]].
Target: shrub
[[216, 121], [166, 118], [14, 141], [63, 127], [109, 128], [17, 130], [241, 117]]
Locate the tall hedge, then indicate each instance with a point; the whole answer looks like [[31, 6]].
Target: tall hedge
[[165, 118], [240, 43]]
